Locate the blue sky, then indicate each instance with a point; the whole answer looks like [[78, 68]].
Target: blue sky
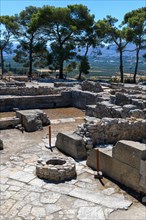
[[100, 8]]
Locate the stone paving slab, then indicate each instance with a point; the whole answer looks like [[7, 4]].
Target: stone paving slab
[[26, 197], [101, 199]]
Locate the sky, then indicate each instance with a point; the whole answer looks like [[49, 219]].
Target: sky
[[100, 8]]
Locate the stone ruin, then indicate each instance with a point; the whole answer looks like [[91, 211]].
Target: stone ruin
[[33, 120], [56, 169], [113, 125], [28, 120], [115, 120], [125, 162]]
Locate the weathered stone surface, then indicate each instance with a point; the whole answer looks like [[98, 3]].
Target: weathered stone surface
[[56, 169], [91, 86], [91, 213], [129, 152], [111, 130], [137, 113], [1, 145], [33, 120], [112, 202], [122, 99], [49, 198], [9, 122], [71, 144], [80, 99], [22, 176], [122, 168]]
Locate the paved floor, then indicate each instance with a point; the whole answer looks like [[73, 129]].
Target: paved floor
[[25, 196]]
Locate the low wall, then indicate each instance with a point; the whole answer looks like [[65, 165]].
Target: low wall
[[78, 99], [125, 163], [82, 98], [26, 91], [110, 130], [40, 102]]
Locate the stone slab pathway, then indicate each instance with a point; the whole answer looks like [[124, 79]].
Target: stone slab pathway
[[26, 197]]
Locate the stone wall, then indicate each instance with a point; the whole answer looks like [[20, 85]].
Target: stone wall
[[110, 130], [125, 163], [26, 91], [33, 120], [80, 99], [106, 109], [30, 102]]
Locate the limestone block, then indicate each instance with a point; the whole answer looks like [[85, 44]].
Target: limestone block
[[9, 122], [142, 181], [113, 168], [71, 144], [82, 98], [1, 145], [130, 152], [91, 86], [143, 167], [32, 120], [92, 158], [122, 99]]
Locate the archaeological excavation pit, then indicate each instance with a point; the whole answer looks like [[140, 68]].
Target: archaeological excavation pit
[[56, 169]]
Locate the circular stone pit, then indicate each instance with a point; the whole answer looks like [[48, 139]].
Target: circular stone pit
[[56, 169]]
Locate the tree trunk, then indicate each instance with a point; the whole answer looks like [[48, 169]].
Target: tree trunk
[[121, 66], [136, 65], [30, 58], [30, 66], [2, 63], [80, 73], [61, 70]]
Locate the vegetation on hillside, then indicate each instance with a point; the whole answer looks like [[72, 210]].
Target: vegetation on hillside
[[52, 37]]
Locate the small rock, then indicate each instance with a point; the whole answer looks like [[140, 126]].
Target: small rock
[[144, 199]]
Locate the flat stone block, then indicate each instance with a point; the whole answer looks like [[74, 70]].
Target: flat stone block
[[71, 144], [112, 201], [115, 169], [130, 152], [9, 122], [143, 167], [22, 176]]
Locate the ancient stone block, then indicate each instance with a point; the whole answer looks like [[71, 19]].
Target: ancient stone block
[[9, 122], [91, 86], [71, 144], [130, 152], [33, 120]]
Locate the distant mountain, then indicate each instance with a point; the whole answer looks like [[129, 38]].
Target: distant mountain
[[110, 51], [106, 51]]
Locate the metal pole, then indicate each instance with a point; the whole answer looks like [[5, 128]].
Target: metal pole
[[99, 173], [50, 135], [97, 160]]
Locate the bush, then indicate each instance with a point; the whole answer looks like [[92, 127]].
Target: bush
[[93, 78], [115, 79]]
